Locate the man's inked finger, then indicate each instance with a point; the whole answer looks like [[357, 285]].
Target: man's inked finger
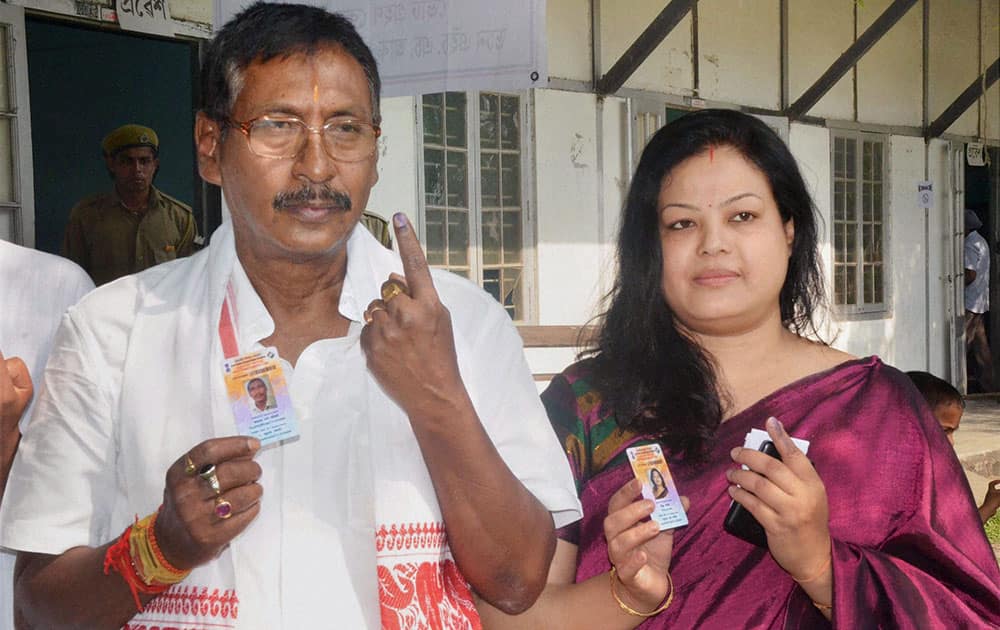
[[418, 274]]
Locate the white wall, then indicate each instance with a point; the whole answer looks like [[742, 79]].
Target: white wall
[[890, 76], [668, 69], [739, 52], [954, 58], [568, 250], [396, 189]]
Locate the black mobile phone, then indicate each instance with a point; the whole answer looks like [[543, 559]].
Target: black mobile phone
[[739, 521]]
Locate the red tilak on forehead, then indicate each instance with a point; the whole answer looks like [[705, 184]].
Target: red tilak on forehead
[[711, 154]]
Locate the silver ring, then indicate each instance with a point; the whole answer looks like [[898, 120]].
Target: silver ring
[[207, 473]]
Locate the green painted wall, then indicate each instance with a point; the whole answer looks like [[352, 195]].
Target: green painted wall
[[86, 82]]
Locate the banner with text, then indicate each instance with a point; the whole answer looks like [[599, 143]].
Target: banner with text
[[426, 46]]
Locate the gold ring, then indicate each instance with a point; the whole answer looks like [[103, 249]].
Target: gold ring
[[223, 508], [207, 473], [391, 288], [189, 467]]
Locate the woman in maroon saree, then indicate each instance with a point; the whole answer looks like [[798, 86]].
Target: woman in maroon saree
[[702, 341]]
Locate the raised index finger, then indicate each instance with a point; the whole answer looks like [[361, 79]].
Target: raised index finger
[[418, 274]]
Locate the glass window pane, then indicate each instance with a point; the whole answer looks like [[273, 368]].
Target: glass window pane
[[851, 202], [869, 284], [433, 115], [490, 180], [492, 243], [839, 241], [6, 96], [851, 284], [510, 180], [877, 161], [866, 160], [850, 163], [877, 239], [434, 177], [839, 284], [866, 202], [876, 202], [458, 238], [7, 224], [839, 158], [511, 237], [491, 282], [512, 292], [489, 119], [879, 297], [8, 189], [850, 243], [510, 122], [458, 189], [434, 237], [455, 114]]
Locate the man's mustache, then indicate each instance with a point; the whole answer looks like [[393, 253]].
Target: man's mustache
[[339, 200]]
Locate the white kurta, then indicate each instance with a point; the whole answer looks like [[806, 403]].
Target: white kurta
[[135, 381], [977, 258], [35, 291]]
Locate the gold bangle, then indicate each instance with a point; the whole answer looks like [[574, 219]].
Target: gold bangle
[[636, 613], [818, 574], [823, 607]]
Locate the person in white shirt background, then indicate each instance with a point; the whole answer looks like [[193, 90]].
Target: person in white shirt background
[[977, 304], [36, 290]]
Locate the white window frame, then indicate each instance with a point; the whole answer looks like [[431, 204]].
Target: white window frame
[[526, 113], [862, 309], [20, 211]]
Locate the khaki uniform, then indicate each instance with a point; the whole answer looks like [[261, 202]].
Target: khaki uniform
[[109, 241], [379, 228]]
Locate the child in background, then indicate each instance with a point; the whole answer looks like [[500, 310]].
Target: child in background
[[947, 404]]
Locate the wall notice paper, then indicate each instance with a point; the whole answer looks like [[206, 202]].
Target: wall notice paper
[[145, 16], [428, 46]]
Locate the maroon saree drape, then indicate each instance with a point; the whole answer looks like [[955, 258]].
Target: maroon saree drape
[[908, 547]]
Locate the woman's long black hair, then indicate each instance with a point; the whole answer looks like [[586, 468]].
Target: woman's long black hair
[[655, 378]]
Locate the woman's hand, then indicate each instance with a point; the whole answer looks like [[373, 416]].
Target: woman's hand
[[637, 548], [789, 500]]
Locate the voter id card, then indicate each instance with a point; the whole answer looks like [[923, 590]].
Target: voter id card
[[258, 395], [650, 468]]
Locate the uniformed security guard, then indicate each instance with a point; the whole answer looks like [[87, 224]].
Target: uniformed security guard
[[379, 228], [135, 226]]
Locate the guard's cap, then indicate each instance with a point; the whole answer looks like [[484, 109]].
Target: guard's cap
[[972, 221], [128, 136]]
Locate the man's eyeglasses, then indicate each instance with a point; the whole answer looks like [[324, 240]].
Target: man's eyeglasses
[[280, 137]]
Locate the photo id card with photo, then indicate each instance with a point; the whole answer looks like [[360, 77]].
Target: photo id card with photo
[[650, 468], [258, 395]]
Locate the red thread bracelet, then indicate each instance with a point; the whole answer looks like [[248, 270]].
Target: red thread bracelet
[[119, 558]]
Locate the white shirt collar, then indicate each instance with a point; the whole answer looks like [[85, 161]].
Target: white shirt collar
[[368, 266]]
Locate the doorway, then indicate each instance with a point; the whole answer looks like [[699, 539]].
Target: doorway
[[86, 82], [982, 196]]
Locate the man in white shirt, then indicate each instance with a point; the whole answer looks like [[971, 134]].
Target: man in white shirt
[[977, 304], [36, 290], [424, 466]]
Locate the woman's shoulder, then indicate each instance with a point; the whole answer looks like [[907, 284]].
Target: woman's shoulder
[[572, 392]]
